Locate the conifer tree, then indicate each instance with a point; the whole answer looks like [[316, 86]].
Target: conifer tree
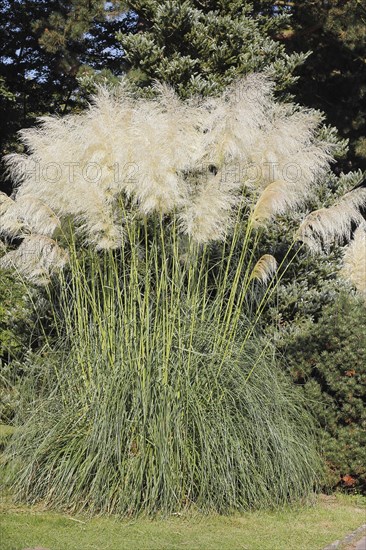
[[51, 52], [334, 76], [202, 46]]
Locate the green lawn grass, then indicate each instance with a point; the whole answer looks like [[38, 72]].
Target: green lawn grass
[[302, 528]]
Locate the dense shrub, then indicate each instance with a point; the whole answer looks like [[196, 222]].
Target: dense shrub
[[328, 359], [14, 315], [15, 336]]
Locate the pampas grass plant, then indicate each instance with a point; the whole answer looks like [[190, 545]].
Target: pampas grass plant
[[158, 392]]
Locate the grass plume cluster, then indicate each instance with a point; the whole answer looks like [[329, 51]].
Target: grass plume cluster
[[196, 160], [191, 159], [342, 223]]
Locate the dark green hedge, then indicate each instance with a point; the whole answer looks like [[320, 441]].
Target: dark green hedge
[[327, 359], [16, 325]]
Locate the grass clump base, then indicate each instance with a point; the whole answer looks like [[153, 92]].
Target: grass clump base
[[132, 445]]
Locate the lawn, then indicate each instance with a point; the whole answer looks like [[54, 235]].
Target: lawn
[[304, 528]]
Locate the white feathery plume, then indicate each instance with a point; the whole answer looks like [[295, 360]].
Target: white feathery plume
[[37, 258], [278, 197], [9, 226], [334, 224], [79, 185], [21, 167], [354, 260], [264, 269], [30, 215], [75, 154], [104, 137], [287, 149], [209, 211], [5, 200], [138, 147], [166, 142], [270, 142], [234, 120], [82, 166], [97, 218]]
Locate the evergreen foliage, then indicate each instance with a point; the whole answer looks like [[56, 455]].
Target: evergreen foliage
[[201, 47], [16, 317], [312, 280], [327, 358], [333, 78]]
